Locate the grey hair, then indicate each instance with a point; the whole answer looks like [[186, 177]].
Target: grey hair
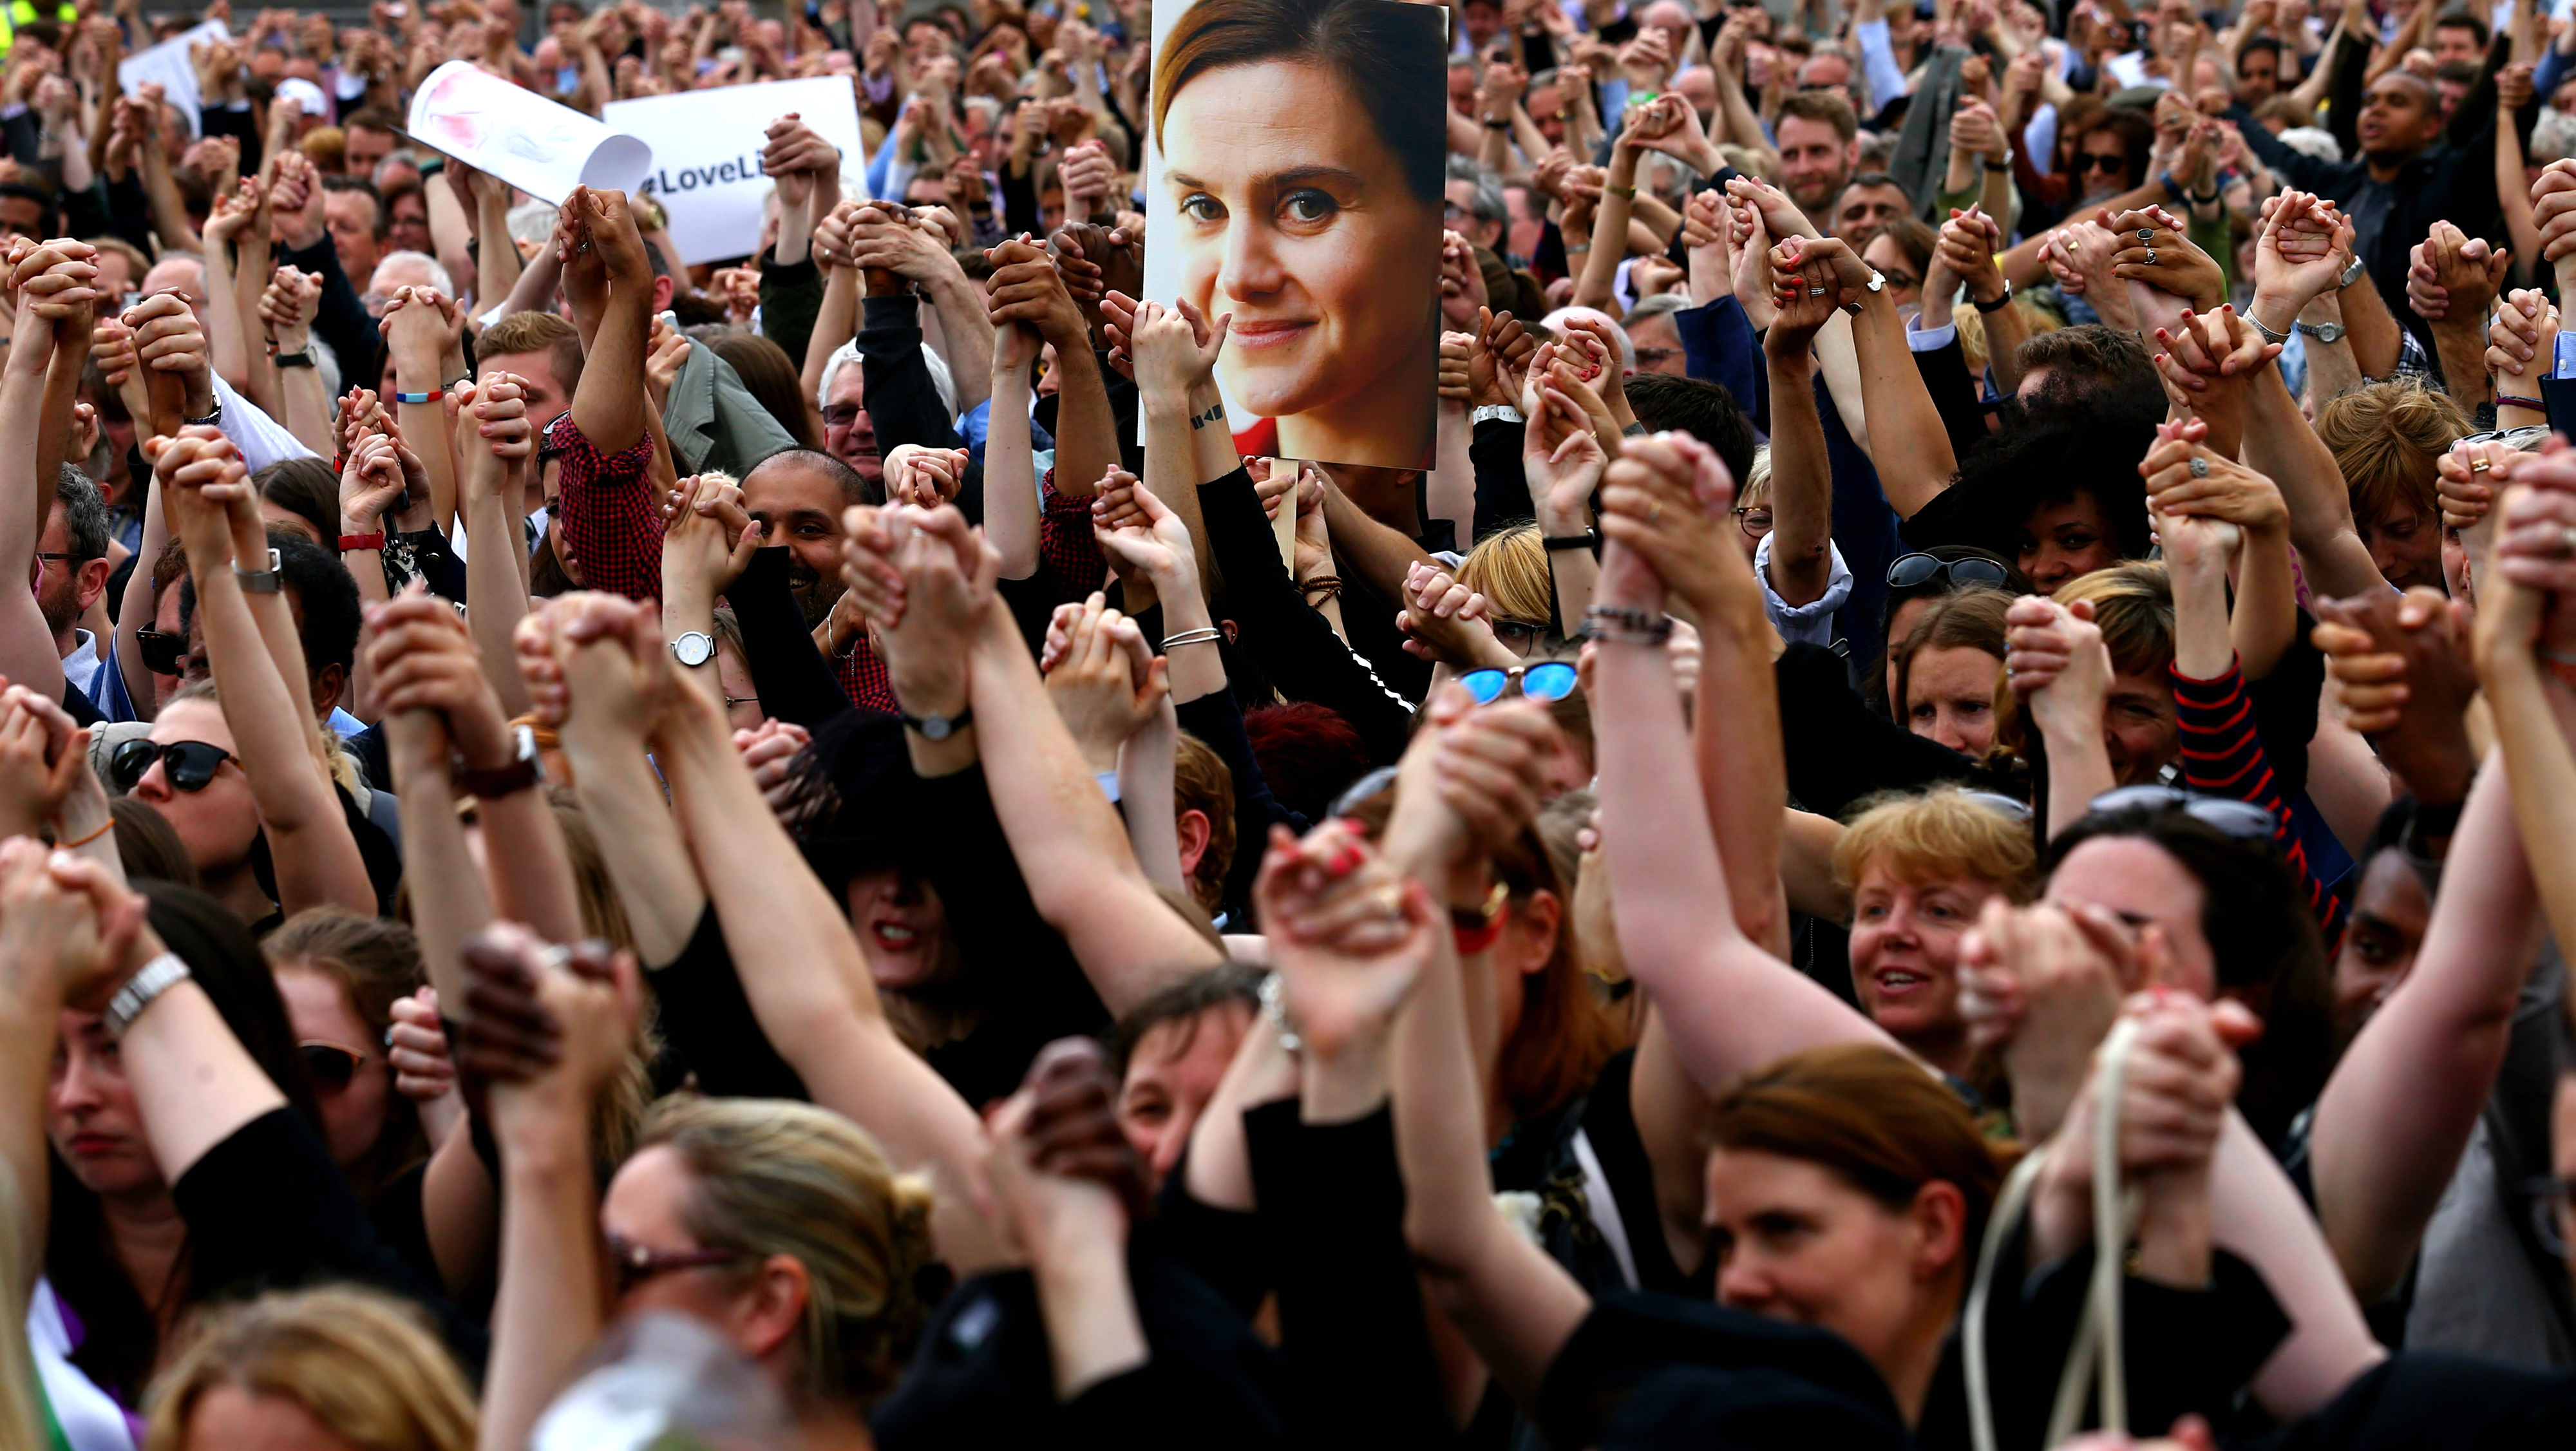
[[1488, 204], [438, 275], [84, 514], [1655, 305]]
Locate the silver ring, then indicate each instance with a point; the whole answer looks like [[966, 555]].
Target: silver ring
[[1815, 292], [2146, 236], [2199, 468], [2151, 256]]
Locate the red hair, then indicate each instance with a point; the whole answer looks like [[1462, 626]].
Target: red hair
[[1307, 754]]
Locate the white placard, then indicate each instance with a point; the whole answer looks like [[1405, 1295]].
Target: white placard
[[521, 137], [169, 66], [706, 153]]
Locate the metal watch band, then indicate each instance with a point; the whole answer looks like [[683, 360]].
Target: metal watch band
[[2324, 332], [261, 581], [140, 991], [2351, 274]]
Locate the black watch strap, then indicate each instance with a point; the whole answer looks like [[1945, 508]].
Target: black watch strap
[[1585, 540], [939, 727]]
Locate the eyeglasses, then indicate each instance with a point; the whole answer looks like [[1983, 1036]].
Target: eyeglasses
[[2239, 820], [189, 765], [1754, 522], [1518, 636], [330, 1066], [2097, 161], [841, 415], [634, 1263], [163, 653], [60, 558], [2553, 1212], [1911, 570], [1548, 680]]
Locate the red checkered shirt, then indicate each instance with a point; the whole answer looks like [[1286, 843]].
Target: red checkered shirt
[[607, 512], [1069, 562], [863, 676]]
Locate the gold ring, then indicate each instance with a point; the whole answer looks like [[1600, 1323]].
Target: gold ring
[[2482, 465]]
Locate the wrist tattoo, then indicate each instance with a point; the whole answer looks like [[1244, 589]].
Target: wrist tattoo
[[1215, 412]]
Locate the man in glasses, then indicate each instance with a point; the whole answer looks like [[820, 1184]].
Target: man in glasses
[[71, 574]]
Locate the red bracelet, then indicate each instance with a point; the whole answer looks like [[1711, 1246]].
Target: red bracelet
[[375, 541]]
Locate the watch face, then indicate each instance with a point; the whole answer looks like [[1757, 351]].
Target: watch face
[[694, 648], [937, 728]]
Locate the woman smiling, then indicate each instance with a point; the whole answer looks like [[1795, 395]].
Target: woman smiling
[[1302, 172]]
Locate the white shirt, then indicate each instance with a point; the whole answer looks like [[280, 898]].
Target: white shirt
[[81, 667], [1813, 622], [261, 439]]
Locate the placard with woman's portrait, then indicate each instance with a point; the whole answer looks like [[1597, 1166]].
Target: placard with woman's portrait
[[1293, 188]]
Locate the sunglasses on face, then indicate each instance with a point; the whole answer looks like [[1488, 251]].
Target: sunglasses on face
[[2095, 161], [189, 765], [1911, 570], [330, 1066], [163, 653], [1548, 680]]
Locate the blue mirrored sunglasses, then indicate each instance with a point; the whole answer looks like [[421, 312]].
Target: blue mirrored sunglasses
[[1548, 680]]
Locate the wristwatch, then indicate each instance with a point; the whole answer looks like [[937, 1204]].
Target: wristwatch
[[2324, 332], [2269, 335], [260, 581], [1998, 304], [526, 769], [694, 648], [212, 418], [2351, 274], [936, 727], [2005, 164], [1877, 283], [156, 977]]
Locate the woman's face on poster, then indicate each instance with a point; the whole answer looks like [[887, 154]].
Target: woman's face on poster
[[1294, 217]]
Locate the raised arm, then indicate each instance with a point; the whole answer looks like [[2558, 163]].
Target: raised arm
[[274, 732], [2523, 630], [1010, 465], [287, 307], [1809, 290], [609, 407], [1730, 1004], [50, 287], [548, 1036]]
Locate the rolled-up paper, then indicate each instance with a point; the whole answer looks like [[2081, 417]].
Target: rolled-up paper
[[521, 137]]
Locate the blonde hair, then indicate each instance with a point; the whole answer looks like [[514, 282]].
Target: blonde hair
[[2386, 438], [324, 741], [1509, 569], [773, 1177], [1935, 836], [360, 1362]]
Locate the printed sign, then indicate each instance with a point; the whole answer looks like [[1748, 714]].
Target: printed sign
[[168, 66], [706, 154], [521, 137]]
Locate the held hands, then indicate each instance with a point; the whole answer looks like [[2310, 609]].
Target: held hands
[[66, 919], [213, 508], [545, 1029], [2154, 252], [1060, 1175], [1175, 348], [2041, 985], [2055, 659], [1563, 460], [1141, 535], [288, 306], [2467, 478], [2451, 276], [2305, 245], [2525, 331], [1811, 280], [924, 477], [371, 484], [425, 666], [2187, 479], [43, 756], [1106, 683], [924, 581], [1349, 935], [2402, 672], [708, 538], [1028, 288], [1445, 621], [597, 669], [1664, 503]]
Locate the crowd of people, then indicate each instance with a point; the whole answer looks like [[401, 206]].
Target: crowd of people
[[1943, 817]]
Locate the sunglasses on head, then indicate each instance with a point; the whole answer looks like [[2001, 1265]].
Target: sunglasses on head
[[1547, 680], [1910, 570], [188, 764], [2237, 820], [163, 653], [330, 1066]]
